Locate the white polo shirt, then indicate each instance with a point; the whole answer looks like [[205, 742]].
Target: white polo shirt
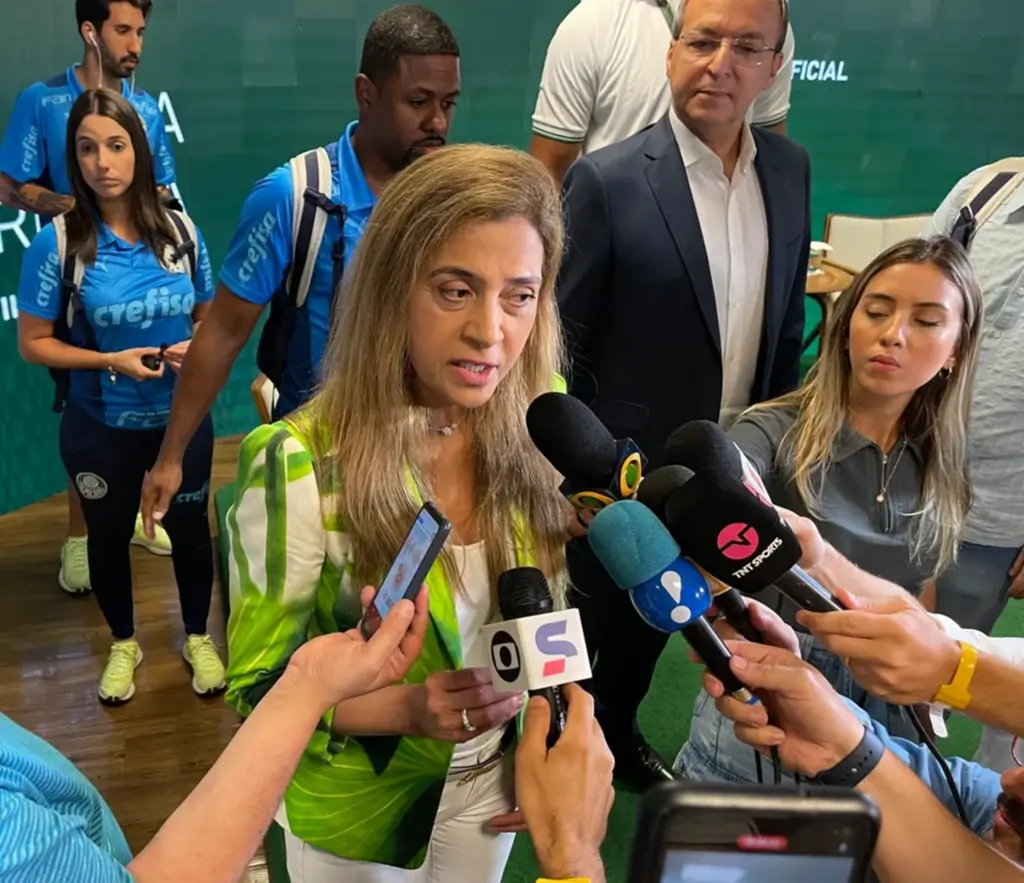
[[734, 225], [604, 74]]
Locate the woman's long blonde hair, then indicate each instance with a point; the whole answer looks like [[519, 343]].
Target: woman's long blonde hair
[[935, 420], [369, 427]]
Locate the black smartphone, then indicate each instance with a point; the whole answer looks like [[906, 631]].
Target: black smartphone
[[703, 832], [422, 545], [153, 360]]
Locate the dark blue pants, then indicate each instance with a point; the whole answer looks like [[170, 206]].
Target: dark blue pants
[[108, 466]]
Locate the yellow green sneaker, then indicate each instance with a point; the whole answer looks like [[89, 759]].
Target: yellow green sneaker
[[207, 669], [117, 685], [159, 545], [74, 566]]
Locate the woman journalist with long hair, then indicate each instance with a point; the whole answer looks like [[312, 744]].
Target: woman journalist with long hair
[[136, 300], [448, 330], [872, 448]]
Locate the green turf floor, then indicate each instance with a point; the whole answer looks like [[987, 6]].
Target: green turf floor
[[665, 718]]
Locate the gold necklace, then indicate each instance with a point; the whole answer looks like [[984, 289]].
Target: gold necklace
[[885, 480]]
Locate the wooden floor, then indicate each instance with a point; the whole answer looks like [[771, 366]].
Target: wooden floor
[[146, 756]]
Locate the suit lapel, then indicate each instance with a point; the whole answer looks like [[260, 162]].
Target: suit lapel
[[671, 189]]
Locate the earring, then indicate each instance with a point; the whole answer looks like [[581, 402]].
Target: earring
[[945, 372]]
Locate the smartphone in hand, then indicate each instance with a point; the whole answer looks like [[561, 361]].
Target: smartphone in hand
[[422, 545]]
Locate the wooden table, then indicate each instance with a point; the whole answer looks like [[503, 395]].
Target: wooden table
[[820, 287]]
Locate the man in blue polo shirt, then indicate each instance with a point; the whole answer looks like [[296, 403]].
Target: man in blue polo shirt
[[34, 176], [406, 90], [33, 160]]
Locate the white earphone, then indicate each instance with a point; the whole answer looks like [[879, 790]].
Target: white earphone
[[91, 35]]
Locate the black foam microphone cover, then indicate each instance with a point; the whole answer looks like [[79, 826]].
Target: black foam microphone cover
[[730, 533], [703, 445], [659, 485], [523, 591], [742, 541], [572, 439]]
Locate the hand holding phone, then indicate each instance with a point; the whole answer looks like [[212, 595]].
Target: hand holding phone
[[422, 545]]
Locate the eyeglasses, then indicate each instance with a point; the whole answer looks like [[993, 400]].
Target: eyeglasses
[[747, 53]]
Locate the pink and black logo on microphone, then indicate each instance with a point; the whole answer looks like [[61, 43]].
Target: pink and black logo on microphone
[[738, 541]]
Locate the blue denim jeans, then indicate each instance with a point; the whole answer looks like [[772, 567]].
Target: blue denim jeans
[[713, 753]]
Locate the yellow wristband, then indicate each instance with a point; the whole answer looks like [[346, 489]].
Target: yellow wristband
[[956, 694]]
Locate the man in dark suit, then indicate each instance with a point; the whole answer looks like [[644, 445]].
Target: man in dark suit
[[682, 294]]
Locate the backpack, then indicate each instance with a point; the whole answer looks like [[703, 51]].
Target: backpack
[[72, 269], [311, 209], [994, 187]]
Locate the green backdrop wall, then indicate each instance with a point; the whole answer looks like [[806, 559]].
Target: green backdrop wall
[[894, 99]]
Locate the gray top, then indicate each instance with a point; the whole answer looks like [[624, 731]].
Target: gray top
[[996, 451], [872, 534]]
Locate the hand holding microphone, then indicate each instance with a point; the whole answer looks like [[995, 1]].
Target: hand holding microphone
[[801, 715], [565, 793], [893, 647]]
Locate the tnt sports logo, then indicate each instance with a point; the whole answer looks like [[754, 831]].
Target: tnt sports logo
[[549, 644], [738, 541], [158, 304], [259, 236], [505, 657]]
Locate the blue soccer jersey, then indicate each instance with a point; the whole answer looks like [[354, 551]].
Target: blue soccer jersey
[[33, 147]]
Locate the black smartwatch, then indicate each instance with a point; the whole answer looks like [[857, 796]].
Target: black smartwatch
[[857, 765]]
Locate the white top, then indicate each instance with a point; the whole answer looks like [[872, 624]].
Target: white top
[[735, 229], [604, 75], [474, 609]]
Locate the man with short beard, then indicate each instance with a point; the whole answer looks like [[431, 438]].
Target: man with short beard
[[34, 176], [406, 90]]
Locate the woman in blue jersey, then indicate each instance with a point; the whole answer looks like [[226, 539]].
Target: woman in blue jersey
[[143, 287]]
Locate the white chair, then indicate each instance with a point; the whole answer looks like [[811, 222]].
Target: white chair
[[264, 394], [857, 240]]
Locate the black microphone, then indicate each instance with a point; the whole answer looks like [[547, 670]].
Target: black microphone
[[655, 491], [702, 445], [742, 541], [669, 593], [659, 485], [597, 468], [523, 592]]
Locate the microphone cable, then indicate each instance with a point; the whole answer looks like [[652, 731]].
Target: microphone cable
[[911, 713]]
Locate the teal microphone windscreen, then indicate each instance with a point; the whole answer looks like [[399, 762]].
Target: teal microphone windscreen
[[632, 544]]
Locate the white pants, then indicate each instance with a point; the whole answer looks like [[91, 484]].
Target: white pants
[[462, 848]]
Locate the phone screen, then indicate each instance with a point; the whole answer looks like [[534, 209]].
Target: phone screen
[[693, 866], [416, 545]]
